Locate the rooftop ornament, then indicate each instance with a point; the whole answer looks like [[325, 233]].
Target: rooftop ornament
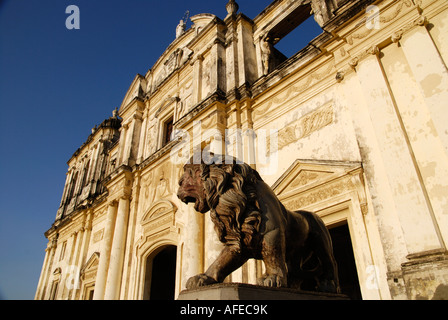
[[232, 8]]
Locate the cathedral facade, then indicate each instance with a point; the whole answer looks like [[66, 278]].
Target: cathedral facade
[[354, 127]]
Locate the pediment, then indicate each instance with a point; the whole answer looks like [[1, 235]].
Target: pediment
[[306, 174], [158, 210], [89, 271], [136, 90], [92, 263]]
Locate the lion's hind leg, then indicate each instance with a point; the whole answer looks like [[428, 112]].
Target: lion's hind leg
[[273, 254], [327, 278], [303, 268]]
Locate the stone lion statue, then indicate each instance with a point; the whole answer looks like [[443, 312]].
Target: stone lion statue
[[253, 224]]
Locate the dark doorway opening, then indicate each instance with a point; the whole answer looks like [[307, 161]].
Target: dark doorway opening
[[343, 252], [161, 275]]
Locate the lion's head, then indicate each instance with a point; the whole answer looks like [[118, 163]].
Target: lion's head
[[191, 188], [226, 188]]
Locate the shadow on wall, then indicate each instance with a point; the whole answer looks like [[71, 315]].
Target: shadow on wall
[[441, 293]]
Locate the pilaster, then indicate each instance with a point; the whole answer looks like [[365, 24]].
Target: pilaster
[[246, 51], [197, 79], [408, 202], [431, 74], [231, 75], [141, 147]]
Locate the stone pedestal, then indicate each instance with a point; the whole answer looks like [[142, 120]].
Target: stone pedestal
[[238, 291]]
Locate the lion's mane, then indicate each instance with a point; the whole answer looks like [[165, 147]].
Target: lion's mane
[[232, 198]]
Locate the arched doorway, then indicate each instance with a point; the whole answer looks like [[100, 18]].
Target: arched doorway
[[160, 278]]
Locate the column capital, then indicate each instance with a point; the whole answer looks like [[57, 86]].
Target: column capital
[[113, 203], [373, 50], [125, 196]]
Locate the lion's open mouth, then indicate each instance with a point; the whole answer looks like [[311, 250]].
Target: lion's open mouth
[[189, 199], [198, 205], [191, 196]]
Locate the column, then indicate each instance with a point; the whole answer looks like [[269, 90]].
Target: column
[[86, 231], [72, 282], [117, 252], [49, 252], [42, 273], [48, 270], [101, 276], [67, 276]]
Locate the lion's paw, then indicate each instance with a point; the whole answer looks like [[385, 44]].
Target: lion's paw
[[201, 280], [327, 286], [272, 281]]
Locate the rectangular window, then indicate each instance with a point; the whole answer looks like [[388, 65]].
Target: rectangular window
[[167, 131], [54, 290], [62, 255]]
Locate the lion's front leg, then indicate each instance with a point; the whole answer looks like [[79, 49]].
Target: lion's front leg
[[228, 261], [273, 253]]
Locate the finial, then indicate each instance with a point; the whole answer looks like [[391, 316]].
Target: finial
[[232, 7], [115, 113]]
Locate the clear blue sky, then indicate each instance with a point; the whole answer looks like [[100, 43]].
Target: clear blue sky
[[55, 85]]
